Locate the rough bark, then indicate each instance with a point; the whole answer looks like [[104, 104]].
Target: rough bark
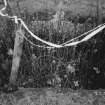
[[16, 56], [99, 12]]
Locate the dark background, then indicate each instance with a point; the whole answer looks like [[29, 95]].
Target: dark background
[[41, 67]]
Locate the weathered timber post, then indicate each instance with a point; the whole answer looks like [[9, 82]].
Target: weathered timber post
[[75, 34], [99, 12], [16, 55]]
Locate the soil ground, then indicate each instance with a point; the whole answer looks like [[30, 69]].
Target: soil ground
[[52, 96]]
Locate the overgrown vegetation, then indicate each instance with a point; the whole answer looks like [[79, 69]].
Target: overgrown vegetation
[[80, 66]]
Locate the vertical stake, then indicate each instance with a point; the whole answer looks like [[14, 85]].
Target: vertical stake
[[99, 12], [16, 55]]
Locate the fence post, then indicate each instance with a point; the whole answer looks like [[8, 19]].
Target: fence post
[[99, 12], [16, 56]]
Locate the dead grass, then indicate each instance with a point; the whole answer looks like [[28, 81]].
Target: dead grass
[[82, 7], [52, 97]]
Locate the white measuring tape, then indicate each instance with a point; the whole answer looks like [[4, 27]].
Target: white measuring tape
[[90, 33], [25, 26], [87, 37]]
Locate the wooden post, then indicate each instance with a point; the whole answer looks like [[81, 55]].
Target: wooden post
[[16, 56], [99, 12]]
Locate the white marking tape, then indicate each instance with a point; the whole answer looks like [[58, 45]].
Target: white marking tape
[[22, 22], [87, 37], [36, 37], [92, 32], [83, 34]]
